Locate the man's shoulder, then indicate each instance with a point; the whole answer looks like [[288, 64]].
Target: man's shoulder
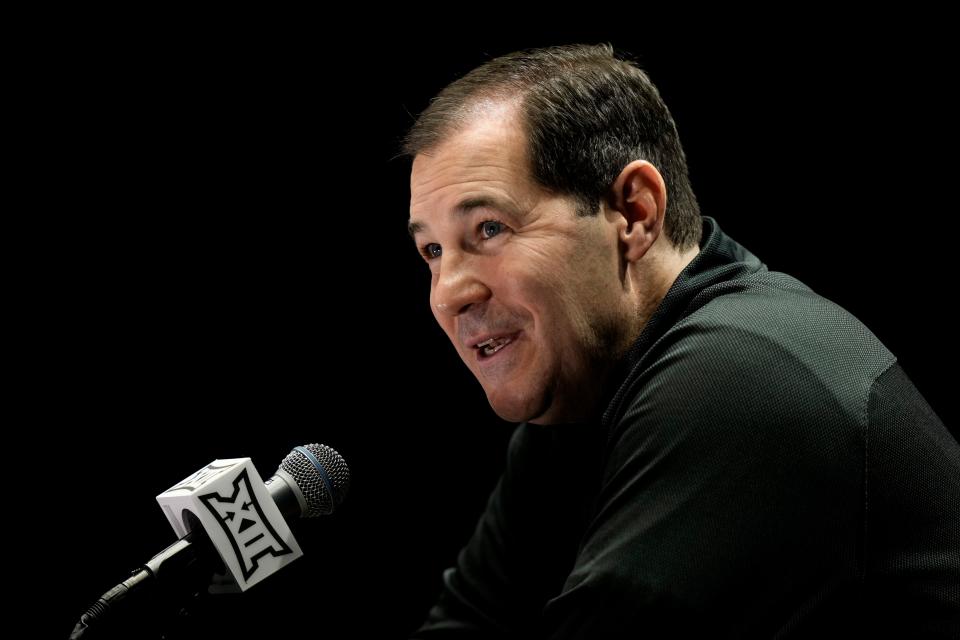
[[771, 318], [763, 345]]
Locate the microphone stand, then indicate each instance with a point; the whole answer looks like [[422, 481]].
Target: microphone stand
[[162, 592]]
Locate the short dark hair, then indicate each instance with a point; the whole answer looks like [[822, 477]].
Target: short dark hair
[[587, 114]]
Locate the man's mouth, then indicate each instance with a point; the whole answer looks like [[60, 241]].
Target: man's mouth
[[489, 347]]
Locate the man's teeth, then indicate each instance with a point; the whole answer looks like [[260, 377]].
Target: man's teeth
[[493, 345]]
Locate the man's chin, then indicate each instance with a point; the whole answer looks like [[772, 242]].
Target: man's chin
[[514, 407]]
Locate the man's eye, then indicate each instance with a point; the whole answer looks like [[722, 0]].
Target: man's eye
[[431, 251], [490, 228]]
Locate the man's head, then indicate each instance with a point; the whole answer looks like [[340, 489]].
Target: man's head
[[539, 198]]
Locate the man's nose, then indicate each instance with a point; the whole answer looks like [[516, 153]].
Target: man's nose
[[459, 285]]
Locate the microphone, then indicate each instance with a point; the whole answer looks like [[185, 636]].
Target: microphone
[[311, 481]]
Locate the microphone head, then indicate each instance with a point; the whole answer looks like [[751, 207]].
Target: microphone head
[[322, 476]]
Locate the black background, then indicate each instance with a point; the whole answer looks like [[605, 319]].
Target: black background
[[220, 268]]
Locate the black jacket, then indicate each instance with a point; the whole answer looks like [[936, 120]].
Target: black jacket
[[764, 468]]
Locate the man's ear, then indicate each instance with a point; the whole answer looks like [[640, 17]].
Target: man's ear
[[639, 194]]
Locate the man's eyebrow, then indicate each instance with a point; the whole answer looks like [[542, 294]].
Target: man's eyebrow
[[465, 207]]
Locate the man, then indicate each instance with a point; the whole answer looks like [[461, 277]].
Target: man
[[706, 446]]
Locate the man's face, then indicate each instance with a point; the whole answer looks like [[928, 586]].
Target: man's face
[[530, 294]]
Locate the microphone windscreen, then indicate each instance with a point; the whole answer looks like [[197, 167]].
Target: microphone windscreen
[[321, 474]]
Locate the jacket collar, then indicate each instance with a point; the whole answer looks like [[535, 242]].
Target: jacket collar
[[721, 259]]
